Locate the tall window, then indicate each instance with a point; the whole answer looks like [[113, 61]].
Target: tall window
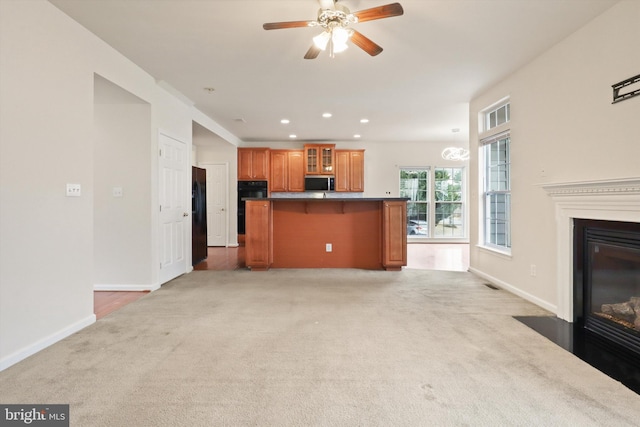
[[448, 199], [414, 184], [496, 177]]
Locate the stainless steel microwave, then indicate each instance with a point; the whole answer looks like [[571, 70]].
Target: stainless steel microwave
[[319, 183]]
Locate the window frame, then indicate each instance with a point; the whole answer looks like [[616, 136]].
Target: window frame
[[488, 137], [461, 202], [427, 202], [430, 204]]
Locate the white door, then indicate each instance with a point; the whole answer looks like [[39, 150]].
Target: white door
[[174, 213], [217, 218]]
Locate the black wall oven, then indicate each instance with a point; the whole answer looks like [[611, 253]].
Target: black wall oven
[[248, 190]]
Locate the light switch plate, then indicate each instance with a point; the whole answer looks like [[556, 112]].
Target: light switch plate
[[74, 190]]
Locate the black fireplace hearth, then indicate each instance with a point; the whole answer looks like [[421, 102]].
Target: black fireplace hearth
[[610, 358]]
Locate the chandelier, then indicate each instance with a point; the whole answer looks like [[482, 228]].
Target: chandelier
[[455, 154]]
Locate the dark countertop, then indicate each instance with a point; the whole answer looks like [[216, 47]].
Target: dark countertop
[[332, 199]]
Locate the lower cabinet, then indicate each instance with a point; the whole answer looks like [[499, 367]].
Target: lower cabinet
[[258, 234], [394, 234], [275, 226]]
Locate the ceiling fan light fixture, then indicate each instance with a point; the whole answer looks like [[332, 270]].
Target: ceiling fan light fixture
[[340, 35], [335, 18], [339, 47], [322, 39], [339, 38]]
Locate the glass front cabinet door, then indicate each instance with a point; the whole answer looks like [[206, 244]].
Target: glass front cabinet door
[[319, 159]]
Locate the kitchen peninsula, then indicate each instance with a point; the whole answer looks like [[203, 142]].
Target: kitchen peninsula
[[366, 233]]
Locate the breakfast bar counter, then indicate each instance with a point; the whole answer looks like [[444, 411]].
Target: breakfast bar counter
[[366, 233]]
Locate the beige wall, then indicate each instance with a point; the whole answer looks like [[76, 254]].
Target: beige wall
[[47, 68], [122, 225], [563, 128]]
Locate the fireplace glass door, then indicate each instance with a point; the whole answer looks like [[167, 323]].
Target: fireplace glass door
[[612, 285]]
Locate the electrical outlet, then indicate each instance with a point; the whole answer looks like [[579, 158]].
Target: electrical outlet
[[74, 190], [117, 191], [533, 270], [329, 247]]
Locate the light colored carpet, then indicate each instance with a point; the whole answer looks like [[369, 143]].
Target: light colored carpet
[[320, 348]]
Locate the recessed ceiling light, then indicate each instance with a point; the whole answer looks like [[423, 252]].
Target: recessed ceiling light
[[285, 121], [455, 130], [356, 135], [364, 120], [326, 115], [293, 136]]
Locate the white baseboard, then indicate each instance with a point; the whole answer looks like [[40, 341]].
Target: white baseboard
[[525, 295], [22, 354], [125, 288]]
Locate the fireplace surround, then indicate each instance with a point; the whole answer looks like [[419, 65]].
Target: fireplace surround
[[605, 200], [579, 205]]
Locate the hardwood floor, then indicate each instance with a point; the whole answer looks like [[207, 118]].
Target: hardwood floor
[[105, 302], [421, 256], [221, 258], [438, 256]]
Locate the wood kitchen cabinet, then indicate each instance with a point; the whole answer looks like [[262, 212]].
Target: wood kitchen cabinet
[[287, 170], [253, 163], [349, 170], [319, 159], [258, 234], [394, 234]]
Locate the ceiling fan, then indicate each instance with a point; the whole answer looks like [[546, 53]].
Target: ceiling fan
[[335, 20]]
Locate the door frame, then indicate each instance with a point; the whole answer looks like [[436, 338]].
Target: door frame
[[226, 197]]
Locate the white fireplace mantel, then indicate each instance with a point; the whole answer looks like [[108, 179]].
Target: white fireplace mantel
[[611, 200]]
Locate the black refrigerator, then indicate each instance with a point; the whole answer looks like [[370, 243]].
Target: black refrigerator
[[198, 214]]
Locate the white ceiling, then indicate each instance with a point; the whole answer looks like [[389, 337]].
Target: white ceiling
[[436, 58]]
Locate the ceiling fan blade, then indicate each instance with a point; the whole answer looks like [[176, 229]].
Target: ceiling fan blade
[[365, 43], [313, 52], [288, 24], [386, 11]]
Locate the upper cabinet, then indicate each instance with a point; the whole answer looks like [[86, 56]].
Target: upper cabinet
[[319, 159], [287, 170], [253, 163], [349, 170]]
